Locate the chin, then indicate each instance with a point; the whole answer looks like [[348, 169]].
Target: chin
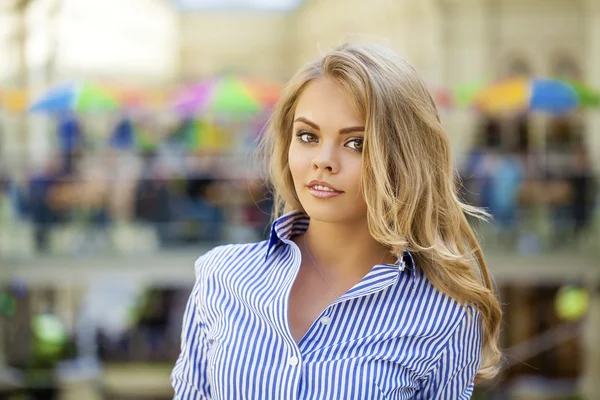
[[330, 211]]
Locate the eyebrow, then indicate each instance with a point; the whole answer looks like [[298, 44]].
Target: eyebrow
[[342, 131]]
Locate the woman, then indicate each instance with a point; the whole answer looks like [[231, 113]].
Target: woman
[[365, 289]]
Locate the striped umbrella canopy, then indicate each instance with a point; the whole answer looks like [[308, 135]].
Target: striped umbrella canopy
[[78, 97], [589, 97], [227, 96], [552, 96], [14, 99], [136, 98]]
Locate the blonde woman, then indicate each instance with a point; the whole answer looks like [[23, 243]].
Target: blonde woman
[[372, 284]]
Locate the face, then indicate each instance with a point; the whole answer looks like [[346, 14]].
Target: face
[[325, 154]]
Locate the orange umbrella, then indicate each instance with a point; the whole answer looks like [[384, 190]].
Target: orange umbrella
[[137, 98], [266, 91], [14, 100]]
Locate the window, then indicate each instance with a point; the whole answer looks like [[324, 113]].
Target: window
[[566, 67]]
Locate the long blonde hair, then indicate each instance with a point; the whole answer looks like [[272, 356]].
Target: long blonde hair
[[407, 180]]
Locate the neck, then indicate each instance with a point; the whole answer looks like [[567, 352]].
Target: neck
[[345, 248]]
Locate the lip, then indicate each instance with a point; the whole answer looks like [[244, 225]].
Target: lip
[[322, 194], [321, 183]]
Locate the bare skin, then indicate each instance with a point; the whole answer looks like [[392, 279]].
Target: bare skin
[[327, 146], [310, 295]]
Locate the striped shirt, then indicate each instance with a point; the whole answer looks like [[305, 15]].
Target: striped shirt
[[391, 336]]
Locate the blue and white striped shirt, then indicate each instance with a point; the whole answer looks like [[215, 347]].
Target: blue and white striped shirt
[[391, 336]]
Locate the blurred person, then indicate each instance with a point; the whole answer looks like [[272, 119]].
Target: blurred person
[[90, 198], [152, 197], [42, 188], [202, 207], [70, 141], [476, 176], [562, 141], [203, 211], [506, 173], [365, 287], [583, 190], [13, 194]]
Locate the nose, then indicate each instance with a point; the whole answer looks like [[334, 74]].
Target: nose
[[325, 160]]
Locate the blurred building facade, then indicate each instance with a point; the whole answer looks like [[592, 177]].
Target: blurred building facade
[[48, 42], [450, 42]]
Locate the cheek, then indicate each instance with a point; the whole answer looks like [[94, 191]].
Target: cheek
[[296, 163], [354, 173]]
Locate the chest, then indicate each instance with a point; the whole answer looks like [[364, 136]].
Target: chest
[[310, 295], [357, 339]]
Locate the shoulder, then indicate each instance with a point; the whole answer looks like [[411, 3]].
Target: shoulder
[[441, 315], [222, 257], [443, 327]]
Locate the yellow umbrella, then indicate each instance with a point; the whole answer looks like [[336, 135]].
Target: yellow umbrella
[[15, 100], [506, 95]]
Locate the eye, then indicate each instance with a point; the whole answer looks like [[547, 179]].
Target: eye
[[357, 144], [306, 137]]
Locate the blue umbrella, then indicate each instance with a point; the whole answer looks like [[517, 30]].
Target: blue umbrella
[[74, 97], [553, 96], [520, 94]]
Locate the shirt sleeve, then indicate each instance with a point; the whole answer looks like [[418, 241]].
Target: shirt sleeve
[[189, 377], [453, 376]]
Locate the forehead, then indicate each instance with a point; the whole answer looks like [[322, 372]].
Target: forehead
[[325, 102]]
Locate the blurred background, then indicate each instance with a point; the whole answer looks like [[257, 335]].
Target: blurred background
[[126, 134]]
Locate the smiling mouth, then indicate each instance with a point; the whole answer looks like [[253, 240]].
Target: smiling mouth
[[323, 192], [322, 188]]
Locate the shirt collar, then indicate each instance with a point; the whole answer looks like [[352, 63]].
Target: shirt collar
[[296, 222]]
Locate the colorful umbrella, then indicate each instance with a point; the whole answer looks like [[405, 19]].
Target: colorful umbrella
[[588, 96], [132, 98], [266, 91], [79, 97], [552, 96], [466, 93], [442, 96], [227, 96], [14, 100], [195, 134]]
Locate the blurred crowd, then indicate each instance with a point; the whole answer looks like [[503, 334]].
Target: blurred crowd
[[532, 188], [185, 196], [539, 193]]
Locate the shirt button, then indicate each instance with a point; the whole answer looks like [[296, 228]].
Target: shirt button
[[325, 320], [293, 361]]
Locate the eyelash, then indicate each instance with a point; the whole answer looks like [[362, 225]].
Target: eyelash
[[302, 133]]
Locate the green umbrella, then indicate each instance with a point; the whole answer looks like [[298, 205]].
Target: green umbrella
[[80, 97], [225, 96], [588, 97], [464, 94]]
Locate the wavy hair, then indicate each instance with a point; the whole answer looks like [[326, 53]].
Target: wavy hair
[[407, 176]]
